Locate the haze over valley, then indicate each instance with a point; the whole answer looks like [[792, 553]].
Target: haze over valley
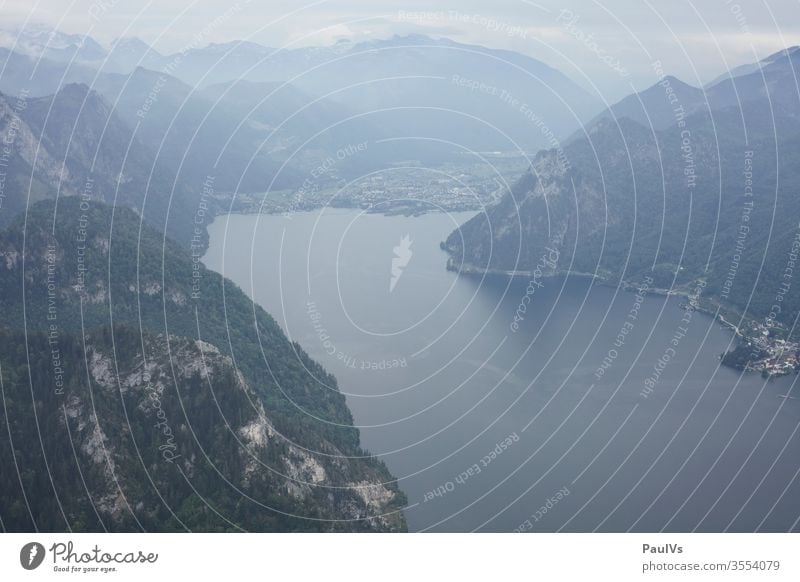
[[405, 272]]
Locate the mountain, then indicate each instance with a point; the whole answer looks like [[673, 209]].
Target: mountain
[[424, 88], [656, 105], [305, 131], [193, 136], [748, 68], [774, 84], [148, 141], [217, 62], [152, 142], [415, 87], [81, 51], [129, 53], [706, 203], [280, 105], [144, 392], [73, 144], [43, 42], [27, 172], [38, 77]]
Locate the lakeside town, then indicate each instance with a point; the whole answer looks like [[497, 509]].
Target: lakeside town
[[409, 189], [761, 350], [761, 346]]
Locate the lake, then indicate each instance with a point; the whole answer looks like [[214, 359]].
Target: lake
[[503, 406]]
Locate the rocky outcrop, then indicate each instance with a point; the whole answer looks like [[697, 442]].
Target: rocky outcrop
[[192, 410]]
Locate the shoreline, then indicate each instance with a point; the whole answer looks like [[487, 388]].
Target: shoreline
[[712, 309]]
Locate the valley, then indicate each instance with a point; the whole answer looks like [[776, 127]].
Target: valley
[[393, 283]]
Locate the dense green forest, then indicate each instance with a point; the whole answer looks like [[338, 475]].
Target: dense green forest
[[125, 309]]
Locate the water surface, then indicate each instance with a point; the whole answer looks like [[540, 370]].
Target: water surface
[[496, 427]]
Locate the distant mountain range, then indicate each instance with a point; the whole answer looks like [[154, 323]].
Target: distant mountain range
[[692, 187], [251, 119], [772, 78], [405, 83]]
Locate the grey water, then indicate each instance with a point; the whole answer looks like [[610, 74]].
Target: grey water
[[495, 427]]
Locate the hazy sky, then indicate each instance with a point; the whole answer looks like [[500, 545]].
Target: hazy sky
[[612, 43]]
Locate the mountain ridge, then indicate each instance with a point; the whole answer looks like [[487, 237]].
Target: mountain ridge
[[178, 421], [664, 203]]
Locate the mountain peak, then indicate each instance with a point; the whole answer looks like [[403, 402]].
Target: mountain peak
[[400, 40], [675, 82], [73, 92], [132, 44], [80, 90]]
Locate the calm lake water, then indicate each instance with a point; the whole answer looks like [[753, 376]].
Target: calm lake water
[[495, 429]]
